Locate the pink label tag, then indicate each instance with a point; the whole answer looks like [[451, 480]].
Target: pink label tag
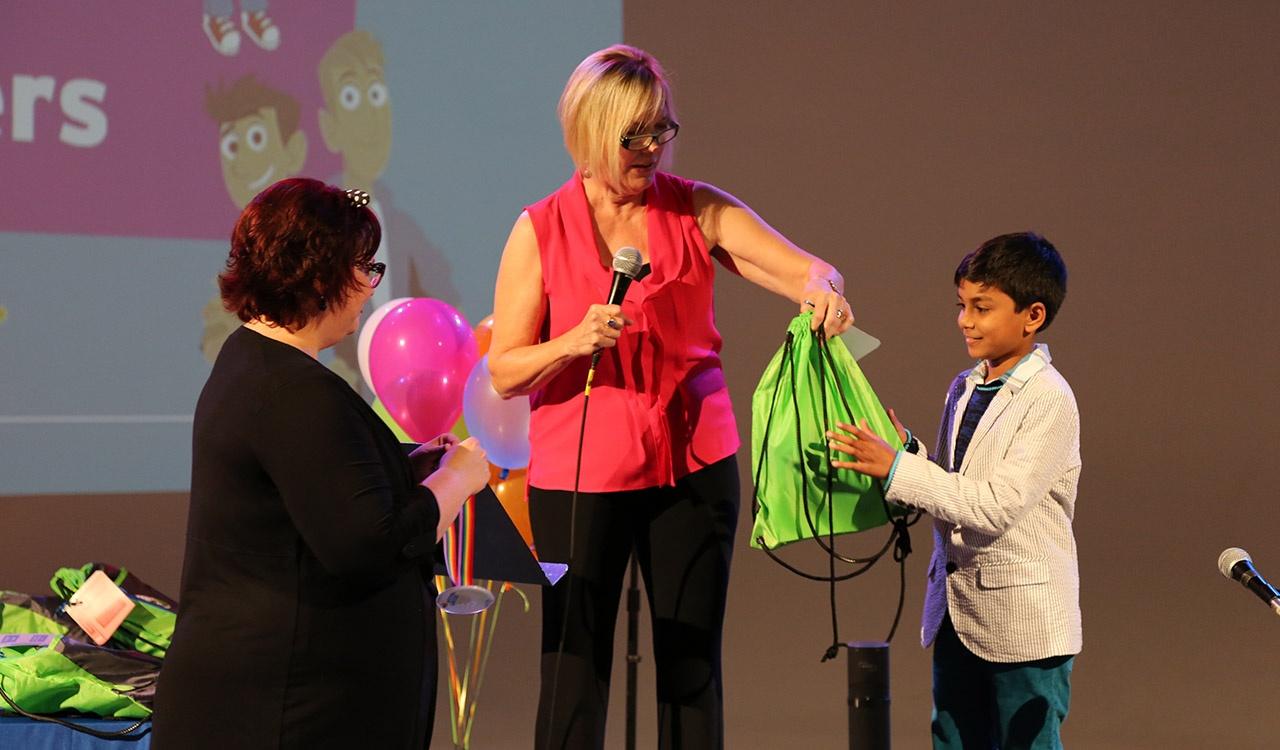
[[99, 606]]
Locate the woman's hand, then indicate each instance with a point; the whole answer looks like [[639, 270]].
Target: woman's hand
[[747, 246], [467, 462], [871, 454], [520, 362], [426, 457], [600, 329], [463, 471], [830, 309]]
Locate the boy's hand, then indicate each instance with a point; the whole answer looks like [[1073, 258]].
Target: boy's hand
[[872, 455], [902, 431]]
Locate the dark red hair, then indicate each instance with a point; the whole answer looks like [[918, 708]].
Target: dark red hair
[[295, 248]]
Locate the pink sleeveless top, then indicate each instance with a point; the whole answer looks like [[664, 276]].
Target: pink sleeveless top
[[659, 405]]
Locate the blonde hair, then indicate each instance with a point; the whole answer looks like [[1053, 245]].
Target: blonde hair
[[611, 92], [357, 47]]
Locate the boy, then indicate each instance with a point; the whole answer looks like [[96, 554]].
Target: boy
[[355, 123], [356, 119], [1002, 609], [259, 140]]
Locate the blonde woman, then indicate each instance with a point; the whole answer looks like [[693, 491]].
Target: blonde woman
[[658, 470]]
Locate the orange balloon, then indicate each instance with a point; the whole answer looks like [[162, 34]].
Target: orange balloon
[[484, 335], [512, 494]]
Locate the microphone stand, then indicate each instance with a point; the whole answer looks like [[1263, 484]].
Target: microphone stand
[[633, 654]]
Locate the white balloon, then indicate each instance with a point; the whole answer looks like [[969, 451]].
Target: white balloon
[[501, 425]]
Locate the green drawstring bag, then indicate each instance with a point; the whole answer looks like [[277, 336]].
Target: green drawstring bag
[[149, 626], [49, 668], [22, 613], [55, 675], [809, 385]]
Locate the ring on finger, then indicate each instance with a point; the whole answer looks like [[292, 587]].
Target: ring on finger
[[612, 324], [839, 313], [809, 302]]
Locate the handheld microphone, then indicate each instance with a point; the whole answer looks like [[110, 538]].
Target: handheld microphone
[[626, 266], [1235, 563]]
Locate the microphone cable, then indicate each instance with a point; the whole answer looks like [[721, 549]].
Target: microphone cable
[[627, 265], [573, 523]]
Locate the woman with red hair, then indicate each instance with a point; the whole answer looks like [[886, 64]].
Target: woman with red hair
[[310, 534]]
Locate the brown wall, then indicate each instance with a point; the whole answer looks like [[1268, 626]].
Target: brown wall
[[144, 533], [890, 139], [1141, 138]]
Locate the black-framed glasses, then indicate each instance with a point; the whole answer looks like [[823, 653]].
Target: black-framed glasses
[[376, 271], [642, 141]]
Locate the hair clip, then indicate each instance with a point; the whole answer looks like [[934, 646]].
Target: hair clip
[[358, 198]]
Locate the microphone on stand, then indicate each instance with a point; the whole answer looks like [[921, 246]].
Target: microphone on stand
[[1235, 563], [626, 266]]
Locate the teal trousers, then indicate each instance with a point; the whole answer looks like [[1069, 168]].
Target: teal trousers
[[981, 705]]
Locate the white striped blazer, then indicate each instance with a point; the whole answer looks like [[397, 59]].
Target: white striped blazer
[[1004, 557]]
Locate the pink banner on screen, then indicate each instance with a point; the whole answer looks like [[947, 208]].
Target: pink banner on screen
[[104, 121]]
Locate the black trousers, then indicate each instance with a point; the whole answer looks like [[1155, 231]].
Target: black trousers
[[683, 540]]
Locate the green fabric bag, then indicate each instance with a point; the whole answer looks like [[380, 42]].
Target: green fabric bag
[[67, 676], [149, 626], [22, 613], [801, 395], [49, 668]]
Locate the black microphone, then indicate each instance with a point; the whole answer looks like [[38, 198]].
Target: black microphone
[[1235, 563], [626, 266]]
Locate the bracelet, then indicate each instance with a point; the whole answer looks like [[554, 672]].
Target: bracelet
[[832, 284]]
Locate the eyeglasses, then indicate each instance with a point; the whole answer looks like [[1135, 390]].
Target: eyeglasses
[[375, 271], [642, 141]]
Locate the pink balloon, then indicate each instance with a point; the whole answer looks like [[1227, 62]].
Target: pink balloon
[[419, 358], [419, 402], [366, 337]]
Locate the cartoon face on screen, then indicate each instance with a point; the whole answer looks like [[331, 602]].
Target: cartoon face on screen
[[356, 119], [258, 137]]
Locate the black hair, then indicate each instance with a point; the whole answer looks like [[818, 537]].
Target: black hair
[[1023, 265]]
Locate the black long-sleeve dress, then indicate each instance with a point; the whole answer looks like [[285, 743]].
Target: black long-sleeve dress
[[305, 615]]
